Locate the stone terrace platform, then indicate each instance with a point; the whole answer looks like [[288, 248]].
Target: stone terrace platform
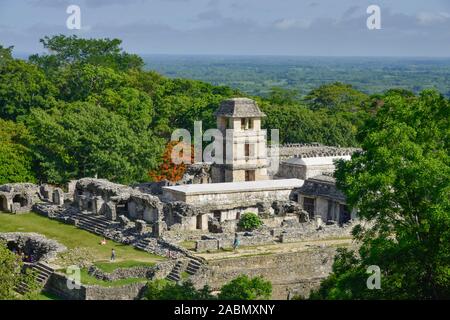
[[232, 194]]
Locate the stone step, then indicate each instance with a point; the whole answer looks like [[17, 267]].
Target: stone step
[[195, 263], [191, 270], [87, 228], [91, 228], [95, 221], [42, 274], [44, 268], [22, 288], [173, 278], [94, 225]]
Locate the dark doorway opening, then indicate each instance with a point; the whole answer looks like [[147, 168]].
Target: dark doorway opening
[[249, 175], [122, 208], [4, 204], [344, 214], [217, 215], [20, 200], [199, 222], [309, 206]]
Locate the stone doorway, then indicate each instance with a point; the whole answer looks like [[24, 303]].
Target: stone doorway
[[3, 203], [199, 222], [21, 200], [309, 205], [249, 175]]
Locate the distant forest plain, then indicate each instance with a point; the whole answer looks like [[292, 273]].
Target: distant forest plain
[[257, 75]]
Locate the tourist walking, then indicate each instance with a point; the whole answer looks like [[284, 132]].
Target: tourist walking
[[113, 255], [236, 242]]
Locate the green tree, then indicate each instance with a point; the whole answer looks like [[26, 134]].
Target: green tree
[[400, 183], [23, 87], [81, 140], [73, 50], [12, 274], [245, 288], [5, 54], [336, 97], [15, 158], [165, 290], [250, 221]]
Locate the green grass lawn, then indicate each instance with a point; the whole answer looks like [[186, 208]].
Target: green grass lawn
[[73, 237], [109, 267], [87, 279], [190, 245]]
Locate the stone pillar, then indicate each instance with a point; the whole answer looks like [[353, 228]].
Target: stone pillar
[[110, 211], [71, 186], [80, 202], [97, 205], [141, 226], [158, 228], [205, 222], [58, 197]]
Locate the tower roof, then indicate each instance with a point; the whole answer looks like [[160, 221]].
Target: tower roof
[[239, 108]]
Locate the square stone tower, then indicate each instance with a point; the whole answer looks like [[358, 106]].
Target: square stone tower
[[245, 155]]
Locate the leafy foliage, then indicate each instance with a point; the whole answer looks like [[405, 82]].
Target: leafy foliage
[[401, 184], [250, 221], [168, 170], [22, 87], [99, 52], [15, 158], [245, 288], [11, 275], [162, 289], [81, 139]]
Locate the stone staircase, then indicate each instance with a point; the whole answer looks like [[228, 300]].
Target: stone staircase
[[144, 244], [94, 224], [175, 273], [193, 267], [42, 274]]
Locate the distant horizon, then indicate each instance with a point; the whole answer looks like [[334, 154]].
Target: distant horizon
[[27, 54]]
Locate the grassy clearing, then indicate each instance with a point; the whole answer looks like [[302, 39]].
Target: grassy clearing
[[109, 267], [47, 296], [190, 245], [87, 279], [73, 237]]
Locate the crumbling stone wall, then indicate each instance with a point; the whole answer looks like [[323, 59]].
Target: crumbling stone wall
[[57, 285], [290, 273], [122, 273], [18, 197], [35, 245]]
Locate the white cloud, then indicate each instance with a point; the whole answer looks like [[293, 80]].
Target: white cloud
[[286, 24], [429, 18]]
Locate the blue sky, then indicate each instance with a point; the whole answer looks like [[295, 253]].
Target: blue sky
[[238, 27]]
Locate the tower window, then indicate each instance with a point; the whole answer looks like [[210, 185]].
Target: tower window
[[249, 175], [243, 124]]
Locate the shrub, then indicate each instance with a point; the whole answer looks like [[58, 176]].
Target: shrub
[[162, 289], [245, 288], [250, 221]]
